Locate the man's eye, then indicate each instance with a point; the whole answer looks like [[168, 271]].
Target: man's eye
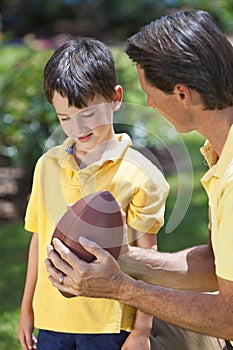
[[65, 119]]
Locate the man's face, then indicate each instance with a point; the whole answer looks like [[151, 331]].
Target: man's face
[[88, 126], [170, 106]]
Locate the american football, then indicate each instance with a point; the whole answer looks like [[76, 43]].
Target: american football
[[97, 217]]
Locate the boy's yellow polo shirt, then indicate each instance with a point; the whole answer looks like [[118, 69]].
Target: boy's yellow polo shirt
[[58, 181], [218, 182]]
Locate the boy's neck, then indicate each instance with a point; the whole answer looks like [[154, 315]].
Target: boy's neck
[[85, 159]]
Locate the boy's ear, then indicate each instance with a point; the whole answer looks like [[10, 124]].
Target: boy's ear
[[117, 98]]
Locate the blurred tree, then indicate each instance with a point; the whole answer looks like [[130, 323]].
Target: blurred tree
[[26, 118], [104, 18], [221, 10]]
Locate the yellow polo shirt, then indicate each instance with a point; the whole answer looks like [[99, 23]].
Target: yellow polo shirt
[[58, 181], [218, 182]]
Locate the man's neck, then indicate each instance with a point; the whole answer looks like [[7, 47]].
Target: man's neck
[[215, 126]]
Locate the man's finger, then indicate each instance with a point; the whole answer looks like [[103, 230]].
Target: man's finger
[[93, 248], [65, 260], [51, 269], [67, 286], [55, 275]]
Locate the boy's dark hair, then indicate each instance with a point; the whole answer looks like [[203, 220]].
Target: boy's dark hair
[[186, 48], [79, 70]]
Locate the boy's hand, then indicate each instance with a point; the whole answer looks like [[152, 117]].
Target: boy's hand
[[136, 340], [25, 333]]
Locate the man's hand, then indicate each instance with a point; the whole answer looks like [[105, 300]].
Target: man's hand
[[101, 278]]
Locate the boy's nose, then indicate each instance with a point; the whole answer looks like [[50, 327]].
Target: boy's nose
[[78, 124]]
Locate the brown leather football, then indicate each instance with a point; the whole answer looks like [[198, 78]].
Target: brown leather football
[[97, 217]]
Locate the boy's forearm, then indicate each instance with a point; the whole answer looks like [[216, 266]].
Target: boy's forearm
[[143, 322], [31, 276]]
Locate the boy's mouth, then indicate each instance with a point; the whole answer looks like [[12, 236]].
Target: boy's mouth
[[85, 137]]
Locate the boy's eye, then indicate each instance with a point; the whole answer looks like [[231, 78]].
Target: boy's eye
[[87, 115], [65, 119]]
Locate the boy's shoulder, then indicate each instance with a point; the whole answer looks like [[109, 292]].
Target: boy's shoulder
[[144, 158], [140, 158]]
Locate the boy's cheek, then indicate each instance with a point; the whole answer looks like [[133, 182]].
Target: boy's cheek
[[67, 128]]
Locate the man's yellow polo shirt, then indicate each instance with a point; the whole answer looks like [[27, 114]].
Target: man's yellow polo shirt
[[218, 182], [58, 181]]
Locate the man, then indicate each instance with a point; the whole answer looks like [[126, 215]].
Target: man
[[185, 67]]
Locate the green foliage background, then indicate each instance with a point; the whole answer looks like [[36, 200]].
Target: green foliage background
[[27, 120], [106, 19]]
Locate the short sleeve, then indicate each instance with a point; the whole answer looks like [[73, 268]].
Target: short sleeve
[[31, 217], [146, 209]]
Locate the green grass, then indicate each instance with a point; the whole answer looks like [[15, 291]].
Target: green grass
[[13, 260], [8, 330]]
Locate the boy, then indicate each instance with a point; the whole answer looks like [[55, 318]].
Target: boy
[[80, 81]]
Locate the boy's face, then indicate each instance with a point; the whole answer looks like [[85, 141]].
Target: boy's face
[[89, 126]]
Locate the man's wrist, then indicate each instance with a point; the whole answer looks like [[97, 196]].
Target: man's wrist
[[139, 262], [124, 288]]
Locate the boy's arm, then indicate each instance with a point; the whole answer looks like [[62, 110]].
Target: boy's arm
[[139, 337], [26, 324]]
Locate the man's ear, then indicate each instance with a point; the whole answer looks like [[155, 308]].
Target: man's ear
[[184, 94], [117, 98]]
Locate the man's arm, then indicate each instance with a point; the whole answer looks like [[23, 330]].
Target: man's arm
[[189, 269], [192, 268], [209, 314], [205, 313]]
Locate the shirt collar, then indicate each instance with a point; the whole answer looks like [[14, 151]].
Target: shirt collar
[[218, 165], [209, 153], [64, 151]]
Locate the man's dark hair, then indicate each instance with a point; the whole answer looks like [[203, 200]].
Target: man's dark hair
[[186, 48], [79, 70]]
